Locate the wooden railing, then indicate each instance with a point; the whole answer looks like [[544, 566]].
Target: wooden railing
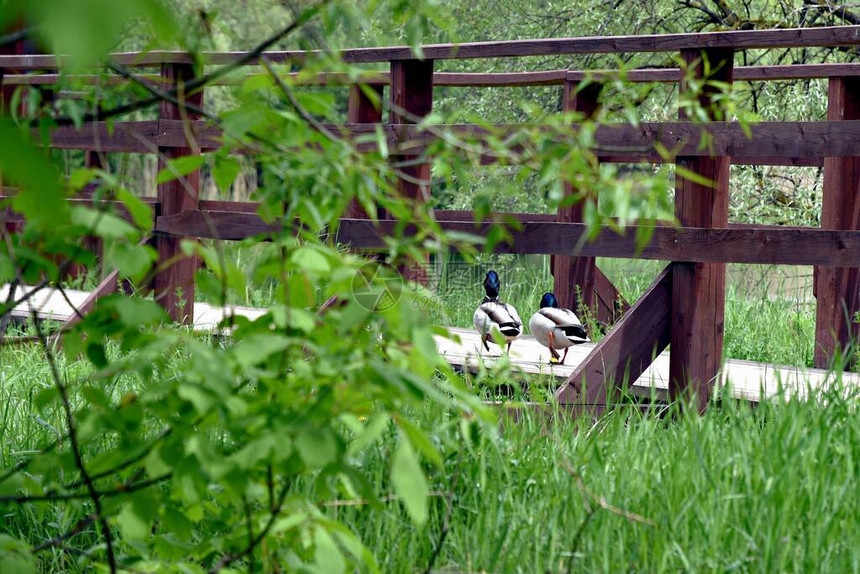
[[684, 307]]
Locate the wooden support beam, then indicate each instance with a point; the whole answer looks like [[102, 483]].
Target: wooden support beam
[[107, 286], [773, 245], [838, 288], [699, 289], [411, 98], [362, 109], [174, 283], [572, 275], [772, 143], [626, 351]]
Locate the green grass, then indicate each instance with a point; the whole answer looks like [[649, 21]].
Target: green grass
[[766, 490], [771, 488]]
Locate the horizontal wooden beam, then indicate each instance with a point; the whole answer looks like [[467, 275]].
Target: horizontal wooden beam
[[741, 74], [785, 143], [137, 136], [485, 80], [739, 40], [795, 246], [789, 246], [768, 139]]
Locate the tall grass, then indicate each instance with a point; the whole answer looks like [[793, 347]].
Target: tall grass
[[771, 489]]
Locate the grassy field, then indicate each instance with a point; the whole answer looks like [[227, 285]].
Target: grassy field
[[771, 488], [766, 490]]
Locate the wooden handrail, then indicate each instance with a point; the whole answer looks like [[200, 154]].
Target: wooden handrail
[[738, 40], [501, 80]]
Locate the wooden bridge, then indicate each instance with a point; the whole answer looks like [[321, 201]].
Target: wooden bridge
[[684, 307]]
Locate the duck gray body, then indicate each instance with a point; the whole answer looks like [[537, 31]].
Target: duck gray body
[[556, 327], [494, 318]]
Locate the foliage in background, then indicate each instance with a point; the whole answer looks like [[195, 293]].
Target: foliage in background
[[137, 445]]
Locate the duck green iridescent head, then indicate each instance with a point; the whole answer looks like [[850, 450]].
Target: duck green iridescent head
[[548, 300]]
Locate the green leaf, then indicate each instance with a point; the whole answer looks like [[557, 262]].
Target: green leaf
[[311, 260], [180, 167], [140, 212], [132, 260], [131, 525], [102, 224], [371, 433], [39, 198], [422, 442], [317, 448], [327, 555], [409, 484], [224, 172], [15, 556], [257, 348], [85, 30]]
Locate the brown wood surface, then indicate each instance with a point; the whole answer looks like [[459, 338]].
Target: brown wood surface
[[107, 286], [492, 79], [174, 283], [772, 143], [362, 109], [699, 289], [739, 40], [765, 244], [627, 350], [411, 99], [574, 277], [838, 288]]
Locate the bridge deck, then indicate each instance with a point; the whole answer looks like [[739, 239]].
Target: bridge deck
[[749, 380]]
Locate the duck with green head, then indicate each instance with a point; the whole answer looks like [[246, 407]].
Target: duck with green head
[[494, 316], [556, 328]]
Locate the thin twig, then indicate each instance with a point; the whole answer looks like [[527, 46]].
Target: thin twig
[[74, 531], [446, 522], [203, 80], [94, 495]]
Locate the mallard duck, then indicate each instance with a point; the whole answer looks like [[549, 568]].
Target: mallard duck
[[556, 327], [493, 316]]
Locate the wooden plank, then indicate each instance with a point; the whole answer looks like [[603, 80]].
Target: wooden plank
[[699, 289], [765, 245], [486, 80], [609, 301], [772, 143], [174, 283], [741, 74], [411, 99], [627, 350], [750, 381], [576, 274], [829, 36], [363, 109], [838, 288], [226, 225], [137, 136], [792, 246], [107, 286]]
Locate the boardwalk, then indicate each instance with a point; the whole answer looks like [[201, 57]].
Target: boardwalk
[[750, 381]]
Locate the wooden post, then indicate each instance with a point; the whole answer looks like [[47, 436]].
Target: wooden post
[[175, 196], [698, 289], [838, 288], [362, 110], [572, 272], [411, 99]]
